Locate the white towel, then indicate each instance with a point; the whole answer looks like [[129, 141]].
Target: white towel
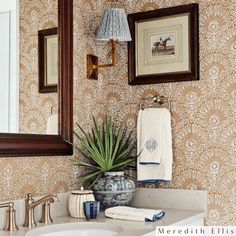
[[153, 135], [155, 144], [134, 214]]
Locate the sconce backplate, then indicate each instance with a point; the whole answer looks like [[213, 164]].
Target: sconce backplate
[[92, 67]]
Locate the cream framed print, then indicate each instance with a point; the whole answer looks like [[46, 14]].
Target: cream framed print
[[48, 60], [164, 46]]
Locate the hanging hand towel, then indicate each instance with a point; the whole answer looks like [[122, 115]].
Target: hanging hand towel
[[134, 214], [153, 134], [155, 144]]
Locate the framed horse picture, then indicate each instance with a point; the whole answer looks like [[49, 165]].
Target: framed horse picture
[[164, 46], [48, 60]]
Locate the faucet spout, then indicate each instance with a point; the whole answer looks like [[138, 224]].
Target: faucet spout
[[46, 199]]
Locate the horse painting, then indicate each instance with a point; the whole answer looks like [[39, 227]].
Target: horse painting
[[159, 44]]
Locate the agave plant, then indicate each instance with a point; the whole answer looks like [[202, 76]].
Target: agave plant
[[105, 149]]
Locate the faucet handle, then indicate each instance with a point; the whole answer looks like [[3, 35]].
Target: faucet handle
[[29, 198], [11, 217], [54, 199], [46, 214]]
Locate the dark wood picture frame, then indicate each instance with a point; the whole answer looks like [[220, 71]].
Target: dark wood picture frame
[[193, 31], [42, 58], [51, 145]]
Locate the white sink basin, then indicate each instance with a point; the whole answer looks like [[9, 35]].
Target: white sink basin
[[77, 229]]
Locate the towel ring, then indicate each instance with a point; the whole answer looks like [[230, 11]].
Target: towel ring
[[156, 99]]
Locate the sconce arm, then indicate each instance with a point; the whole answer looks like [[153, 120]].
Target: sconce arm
[[92, 62]]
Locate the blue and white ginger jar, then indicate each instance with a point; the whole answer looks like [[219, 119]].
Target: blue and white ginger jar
[[114, 189]]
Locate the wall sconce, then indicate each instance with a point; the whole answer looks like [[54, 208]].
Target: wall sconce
[[114, 27]]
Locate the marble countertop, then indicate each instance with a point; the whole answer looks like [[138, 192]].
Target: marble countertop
[[130, 228]]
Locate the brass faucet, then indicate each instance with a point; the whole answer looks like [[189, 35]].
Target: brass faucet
[[11, 216], [30, 204]]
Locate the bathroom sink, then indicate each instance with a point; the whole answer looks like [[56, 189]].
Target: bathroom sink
[[76, 229]]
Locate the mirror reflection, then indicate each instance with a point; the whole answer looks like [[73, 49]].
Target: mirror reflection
[[24, 108]]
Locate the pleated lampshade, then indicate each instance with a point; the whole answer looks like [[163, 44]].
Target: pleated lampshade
[[114, 26]]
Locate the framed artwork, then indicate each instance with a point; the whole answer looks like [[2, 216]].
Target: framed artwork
[[48, 60], [164, 46]]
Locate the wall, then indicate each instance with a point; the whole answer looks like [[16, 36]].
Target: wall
[[203, 112], [9, 96], [8, 6]]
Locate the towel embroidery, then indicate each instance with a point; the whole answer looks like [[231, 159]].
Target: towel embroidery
[[151, 144]]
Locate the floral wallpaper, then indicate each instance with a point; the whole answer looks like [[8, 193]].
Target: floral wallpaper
[[203, 112]]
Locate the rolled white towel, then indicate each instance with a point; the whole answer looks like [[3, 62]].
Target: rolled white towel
[[134, 214]]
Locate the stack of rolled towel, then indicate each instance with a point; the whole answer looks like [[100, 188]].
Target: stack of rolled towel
[[134, 214]]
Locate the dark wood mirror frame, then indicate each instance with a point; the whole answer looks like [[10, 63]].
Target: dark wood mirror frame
[[51, 145]]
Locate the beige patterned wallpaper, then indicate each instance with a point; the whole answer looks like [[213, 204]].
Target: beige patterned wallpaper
[[203, 112]]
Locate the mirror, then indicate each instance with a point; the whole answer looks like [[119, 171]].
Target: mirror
[[36, 136], [28, 55]]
